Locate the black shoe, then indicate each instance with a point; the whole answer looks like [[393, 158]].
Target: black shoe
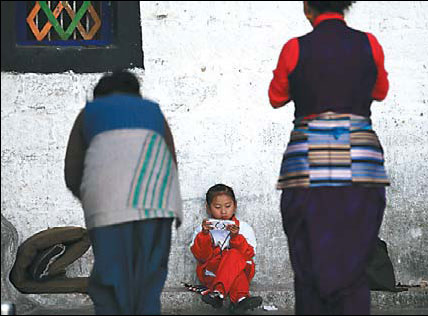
[[250, 302], [215, 299]]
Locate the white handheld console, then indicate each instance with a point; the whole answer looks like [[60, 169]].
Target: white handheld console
[[220, 224]]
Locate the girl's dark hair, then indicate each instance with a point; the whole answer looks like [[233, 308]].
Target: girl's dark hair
[[121, 81], [330, 6], [219, 189]]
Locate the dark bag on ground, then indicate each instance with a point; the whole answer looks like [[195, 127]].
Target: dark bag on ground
[[380, 270], [42, 259]]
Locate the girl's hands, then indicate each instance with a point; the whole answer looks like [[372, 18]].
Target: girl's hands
[[234, 229], [206, 226]]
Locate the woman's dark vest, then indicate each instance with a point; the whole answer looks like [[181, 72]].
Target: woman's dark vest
[[335, 71]]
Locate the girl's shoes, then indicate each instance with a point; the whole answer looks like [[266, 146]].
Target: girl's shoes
[[249, 302], [215, 299]]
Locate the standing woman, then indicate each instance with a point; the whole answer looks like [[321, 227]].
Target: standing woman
[[332, 173]]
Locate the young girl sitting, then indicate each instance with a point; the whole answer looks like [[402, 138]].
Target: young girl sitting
[[225, 256]]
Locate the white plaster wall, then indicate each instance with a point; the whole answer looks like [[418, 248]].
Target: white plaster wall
[[209, 65]]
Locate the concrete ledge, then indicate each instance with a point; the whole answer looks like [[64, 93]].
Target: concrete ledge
[[413, 298], [178, 301]]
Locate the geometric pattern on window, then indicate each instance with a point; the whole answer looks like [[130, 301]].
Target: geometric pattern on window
[[64, 23], [81, 36]]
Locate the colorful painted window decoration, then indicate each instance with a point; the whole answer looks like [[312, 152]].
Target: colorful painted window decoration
[[64, 23]]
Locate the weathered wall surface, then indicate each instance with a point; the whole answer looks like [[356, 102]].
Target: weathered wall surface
[[209, 65]]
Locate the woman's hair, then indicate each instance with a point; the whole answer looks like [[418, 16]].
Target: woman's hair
[[217, 190], [330, 6], [121, 81]]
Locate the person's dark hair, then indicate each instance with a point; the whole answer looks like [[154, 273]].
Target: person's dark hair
[[330, 6], [217, 190], [120, 81]]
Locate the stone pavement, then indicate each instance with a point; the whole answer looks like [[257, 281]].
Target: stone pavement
[[210, 311], [176, 301]]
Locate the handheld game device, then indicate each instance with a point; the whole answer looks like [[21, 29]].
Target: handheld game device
[[220, 224]]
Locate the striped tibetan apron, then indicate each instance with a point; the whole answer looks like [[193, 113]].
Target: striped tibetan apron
[[332, 149]]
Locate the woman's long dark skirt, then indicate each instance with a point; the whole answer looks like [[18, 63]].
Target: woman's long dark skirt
[[331, 232]]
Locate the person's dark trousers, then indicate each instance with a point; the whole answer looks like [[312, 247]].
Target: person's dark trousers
[[331, 232], [130, 267]]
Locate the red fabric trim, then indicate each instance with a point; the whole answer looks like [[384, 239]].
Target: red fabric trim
[[328, 16], [279, 93], [381, 87]]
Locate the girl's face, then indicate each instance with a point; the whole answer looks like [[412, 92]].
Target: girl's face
[[222, 207]]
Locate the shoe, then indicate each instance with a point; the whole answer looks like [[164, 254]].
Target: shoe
[[215, 299], [250, 302]]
